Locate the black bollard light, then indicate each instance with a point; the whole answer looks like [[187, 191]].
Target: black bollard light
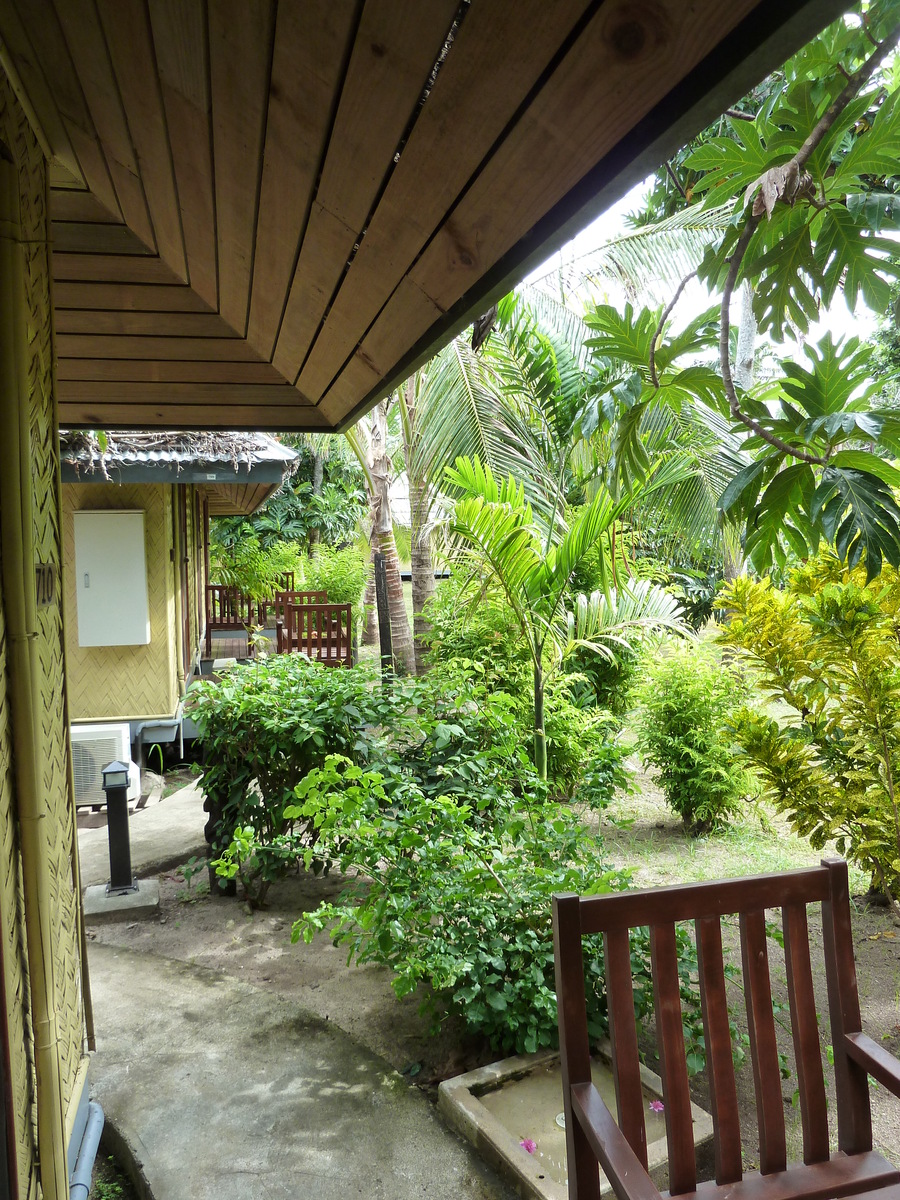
[[115, 785]]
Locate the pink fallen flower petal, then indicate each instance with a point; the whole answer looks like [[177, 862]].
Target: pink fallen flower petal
[[528, 1145], [657, 1106]]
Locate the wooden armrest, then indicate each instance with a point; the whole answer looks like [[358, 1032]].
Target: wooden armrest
[[622, 1166], [880, 1063]]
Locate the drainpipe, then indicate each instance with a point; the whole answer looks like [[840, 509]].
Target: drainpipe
[[17, 539], [176, 561], [80, 1184]]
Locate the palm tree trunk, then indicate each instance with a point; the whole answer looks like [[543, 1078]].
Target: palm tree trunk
[[383, 540], [421, 563], [370, 619], [540, 737]]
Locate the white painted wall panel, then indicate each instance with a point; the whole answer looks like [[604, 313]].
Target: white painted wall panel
[[111, 579]]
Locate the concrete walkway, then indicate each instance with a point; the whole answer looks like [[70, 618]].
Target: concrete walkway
[[163, 836], [219, 1091]]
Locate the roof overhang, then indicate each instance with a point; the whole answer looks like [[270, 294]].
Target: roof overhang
[[235, 476], [265, 215]]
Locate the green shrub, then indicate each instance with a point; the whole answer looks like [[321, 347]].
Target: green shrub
[[606, 682], [472, 742], [256, 571], [605, 772], [465, 908], [686, 704], [827, 648], [262, 727], [468, 624], [340, 573], [575, 736]]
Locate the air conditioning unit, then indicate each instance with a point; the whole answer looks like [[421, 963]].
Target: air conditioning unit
[[93, 747]]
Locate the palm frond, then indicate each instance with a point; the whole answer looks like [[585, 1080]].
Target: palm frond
[[604, 621], [660, 254]]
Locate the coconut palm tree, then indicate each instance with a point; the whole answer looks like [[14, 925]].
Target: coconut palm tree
[[371, 448]]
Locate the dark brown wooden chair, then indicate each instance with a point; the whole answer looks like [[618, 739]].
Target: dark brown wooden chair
[[229, 610], [592, 1135], [293, 596], [323, 632]]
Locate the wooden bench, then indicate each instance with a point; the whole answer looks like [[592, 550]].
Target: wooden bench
[[323, 632], [592, 1135], [229, 610]]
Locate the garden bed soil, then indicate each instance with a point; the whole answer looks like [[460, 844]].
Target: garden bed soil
[[224, 934]]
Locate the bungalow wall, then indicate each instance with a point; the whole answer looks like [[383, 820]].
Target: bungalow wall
[[44, 1063], [139, 682]]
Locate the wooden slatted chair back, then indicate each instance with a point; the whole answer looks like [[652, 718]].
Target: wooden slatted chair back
[[293, 596], [323, 632], [705, 905], [228, 609]]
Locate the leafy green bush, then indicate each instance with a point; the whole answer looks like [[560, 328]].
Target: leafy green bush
[[472, 741], [261, 728], [827, 648], [475, 635], [478, 626], [465, 908], [340, 573], [605, 772], [256, 571], [606, 682], [686, 704], [575, 736]]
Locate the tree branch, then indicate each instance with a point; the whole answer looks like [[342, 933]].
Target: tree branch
[[795, 168], [675, 180], [737, 115], [662, 320]]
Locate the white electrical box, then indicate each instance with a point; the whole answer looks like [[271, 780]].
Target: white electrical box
[[111, 578]]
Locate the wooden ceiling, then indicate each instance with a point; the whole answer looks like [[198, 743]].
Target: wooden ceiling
[[265, 214]]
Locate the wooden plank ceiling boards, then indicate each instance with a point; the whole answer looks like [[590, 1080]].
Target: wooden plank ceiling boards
[[265, 214]]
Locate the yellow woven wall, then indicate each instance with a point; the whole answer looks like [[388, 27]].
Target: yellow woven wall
[[58, 803], [12, 932], [115, 682]]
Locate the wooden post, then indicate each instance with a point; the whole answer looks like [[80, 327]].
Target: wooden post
[[384, 615]]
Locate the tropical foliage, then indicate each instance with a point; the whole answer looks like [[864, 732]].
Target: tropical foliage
[[532, 563], [808, 179], [324, 495], [462, 906], [255, 570], [827, 648]]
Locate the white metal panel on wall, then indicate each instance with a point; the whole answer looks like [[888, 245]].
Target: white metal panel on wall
[[111, 578]]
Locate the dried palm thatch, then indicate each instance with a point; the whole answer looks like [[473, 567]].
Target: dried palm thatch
[[93, 451]]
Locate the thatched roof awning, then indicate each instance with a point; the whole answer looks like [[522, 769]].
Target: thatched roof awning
[[237, 471]]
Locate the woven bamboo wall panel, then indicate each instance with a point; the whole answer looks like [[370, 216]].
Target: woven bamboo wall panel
[[110, 682], [12, 930], [59, 828]]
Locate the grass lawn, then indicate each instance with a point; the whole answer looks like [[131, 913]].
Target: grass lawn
[[642, 832]]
